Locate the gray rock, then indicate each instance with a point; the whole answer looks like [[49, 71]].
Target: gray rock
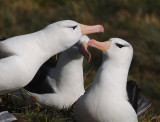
[[5, 116]]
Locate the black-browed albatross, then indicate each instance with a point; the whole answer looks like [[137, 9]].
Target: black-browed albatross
[[22, 56], [107, 100], [64, 83]]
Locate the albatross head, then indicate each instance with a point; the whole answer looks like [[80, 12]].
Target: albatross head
[[115, 49], [69, 32], [79, 49]]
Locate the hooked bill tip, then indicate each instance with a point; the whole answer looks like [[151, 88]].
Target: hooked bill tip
[[84, 51], [101, 28], [90, 42]]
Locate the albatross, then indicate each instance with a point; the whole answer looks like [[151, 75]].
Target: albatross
[[140, 103], [22, 56], [64, 83], [41, 87], [107, 100]]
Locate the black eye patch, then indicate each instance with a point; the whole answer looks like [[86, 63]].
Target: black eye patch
[[120, 45], [74, 27]]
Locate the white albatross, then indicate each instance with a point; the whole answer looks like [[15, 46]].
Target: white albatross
[[45, 91], [64, 83], [22, 56], [106, 100]]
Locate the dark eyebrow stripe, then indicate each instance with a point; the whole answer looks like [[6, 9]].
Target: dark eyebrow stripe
[[73, 27], [122, 45]]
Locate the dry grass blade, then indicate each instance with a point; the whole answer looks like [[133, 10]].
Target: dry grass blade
[[86, 87], [33, 98], [89, 71]]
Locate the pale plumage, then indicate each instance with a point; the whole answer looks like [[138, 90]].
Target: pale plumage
[[65, 80], [22, 56], [106, 100]]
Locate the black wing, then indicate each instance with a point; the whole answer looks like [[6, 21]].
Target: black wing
[[139, 102]]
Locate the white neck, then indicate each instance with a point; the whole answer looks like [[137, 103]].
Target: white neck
[[112, 77], [68, 74], [38, 46], [49, 43]]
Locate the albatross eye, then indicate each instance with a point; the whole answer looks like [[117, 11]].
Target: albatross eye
[[74, 27], [120, 45]]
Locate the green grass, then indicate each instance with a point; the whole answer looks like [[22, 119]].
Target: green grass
[[137, 21], [35, 113], [45, 114]]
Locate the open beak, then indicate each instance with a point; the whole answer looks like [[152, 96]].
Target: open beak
[[84, 51], [85, 29], [103, 46]]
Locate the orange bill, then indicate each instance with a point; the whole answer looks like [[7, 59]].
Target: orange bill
[[104, 46], [85, 29]]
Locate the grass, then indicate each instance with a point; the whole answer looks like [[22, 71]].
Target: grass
[[29, 110], [32, 112], [136, 21]]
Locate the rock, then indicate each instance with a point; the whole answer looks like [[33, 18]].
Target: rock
[[5, 116]]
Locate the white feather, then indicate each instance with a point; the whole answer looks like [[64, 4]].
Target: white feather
[[106, 100], [30, 51], [66, 79]]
